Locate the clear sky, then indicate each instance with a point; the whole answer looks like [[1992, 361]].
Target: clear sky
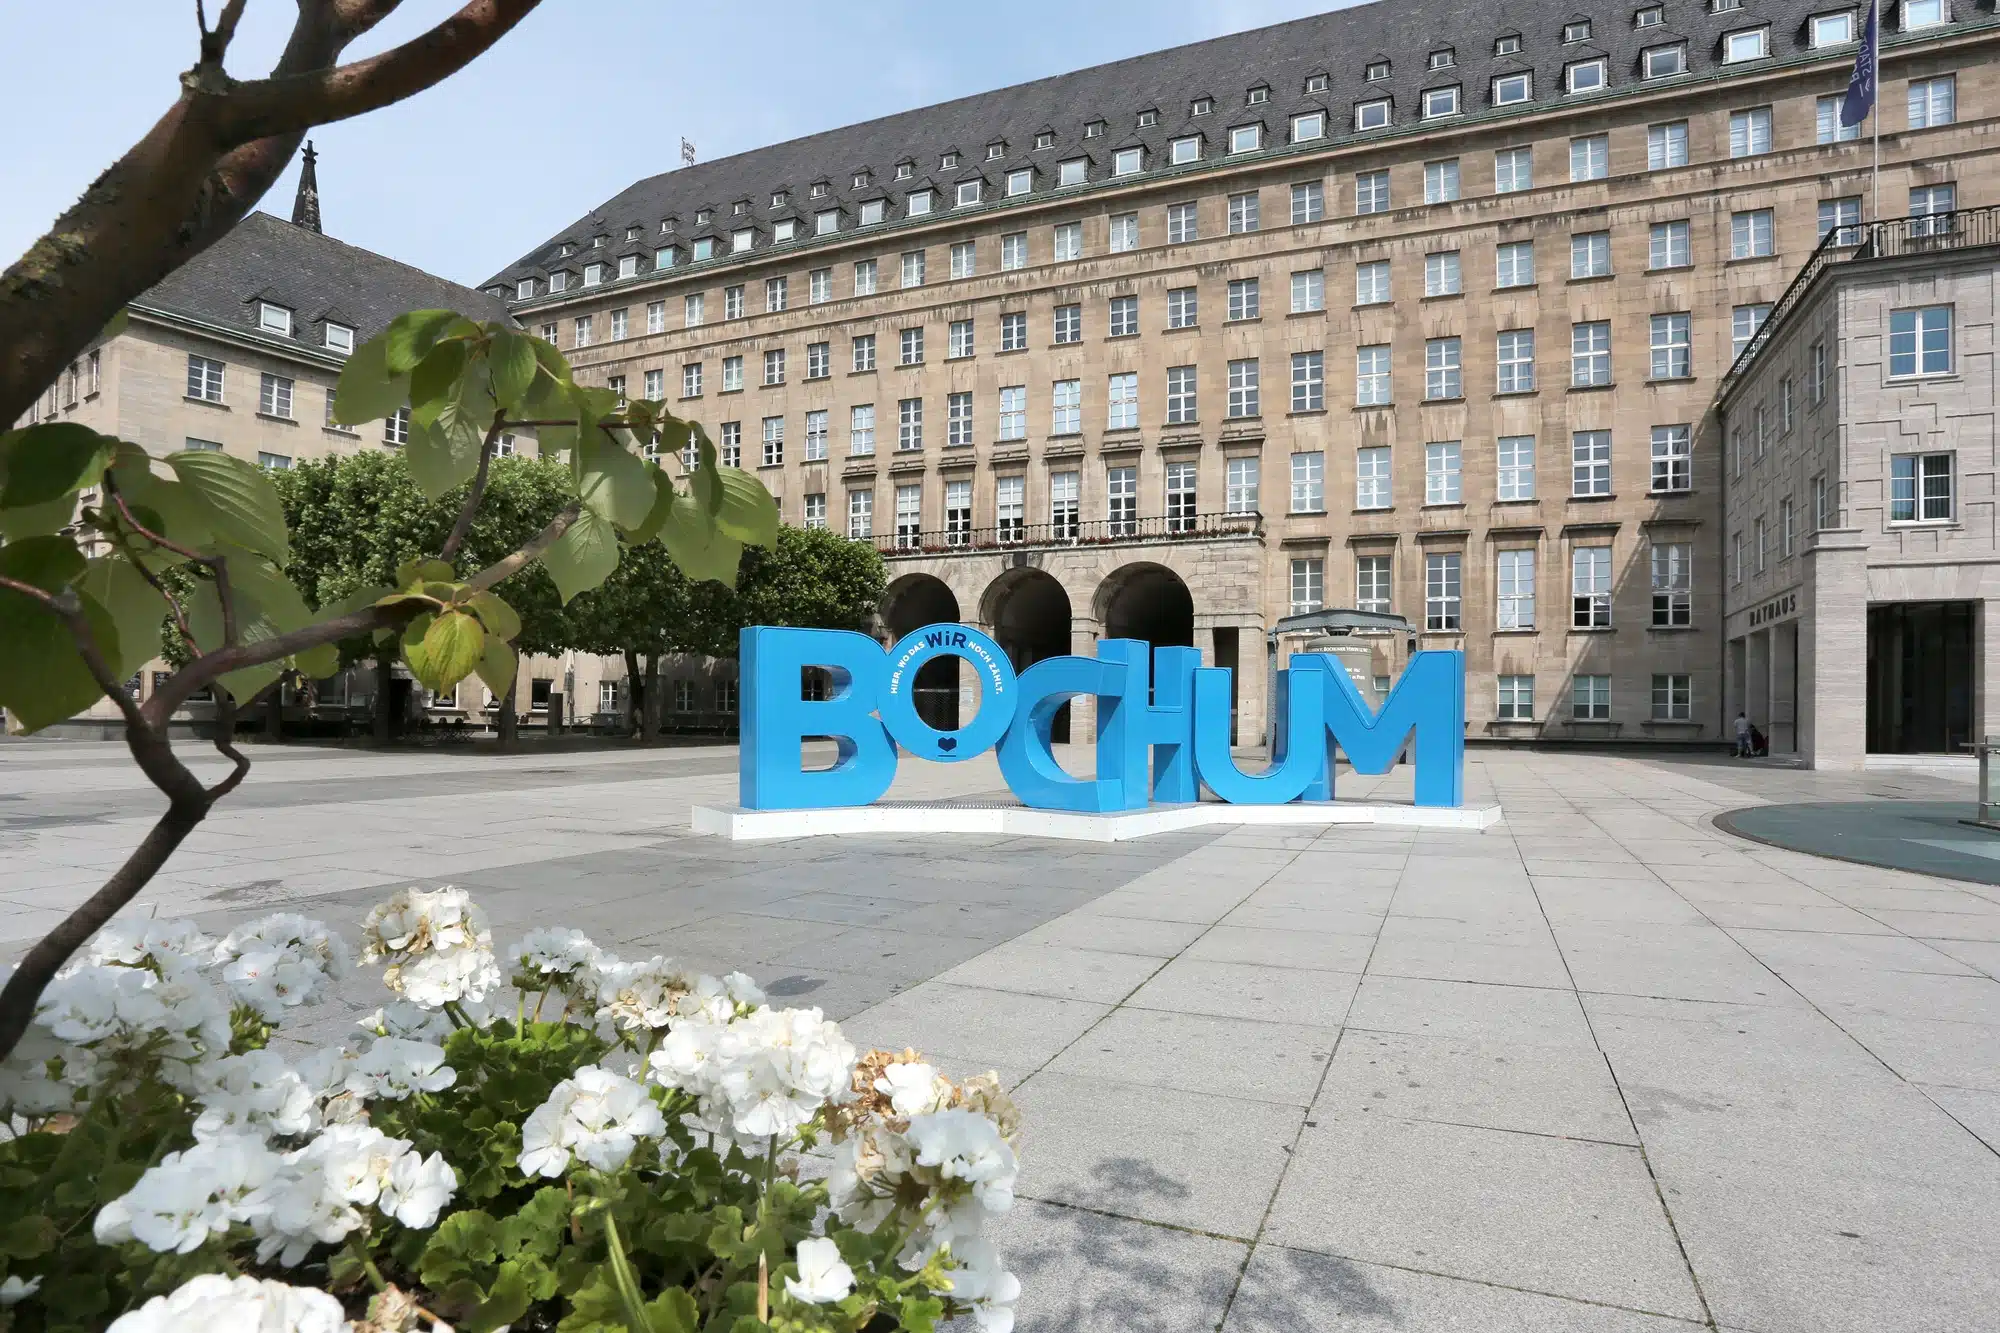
[[579, 101]]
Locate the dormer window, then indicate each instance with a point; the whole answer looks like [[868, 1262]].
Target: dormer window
[[1072, 171], [1660, 62], [1652, 16], [566, 250], [1187, 149], [1316, 83], [995, 151], [1128, 161], [1746, 44], [872, 211], [1724, 6], [739, 208], [558, 281], [1923, 14], [274, 319], [778, 198], [628, 266], [968, 192], [665, 256], [1246, 138], [905, 170], [827, 222], [1509, 89], [741, 240], [1376, 71], [1510, 45], [948, 161], [1372, 115], [1587, 76], [524, 289], [597, 242], [1578, 31], [819, 189], [1046, 139], [918, 204], [1440, 102], [704, 248], [1258, 96], [860, 180], [701, 218], [1444, 58], [1094, 130], [1202, 106], [593, 274], [339, 338], [1020, 181], [632, 233], [1832, 29], [1311, 125], [784, 229]]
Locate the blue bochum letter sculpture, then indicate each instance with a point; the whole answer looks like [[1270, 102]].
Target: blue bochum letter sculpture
[[1163, 722]]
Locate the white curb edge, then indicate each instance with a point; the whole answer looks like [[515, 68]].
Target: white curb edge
[[740, 825]]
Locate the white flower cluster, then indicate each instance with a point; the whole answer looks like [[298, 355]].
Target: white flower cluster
[[282, 961], [213, 1303], [290, 1201], [765, 1074], [594, 1114], [938, 1161], [437, 946]]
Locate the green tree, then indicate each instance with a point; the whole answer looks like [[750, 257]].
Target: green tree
[[809, 577]]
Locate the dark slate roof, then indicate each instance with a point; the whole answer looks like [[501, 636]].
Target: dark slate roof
[[265, 258], [1282, 58]]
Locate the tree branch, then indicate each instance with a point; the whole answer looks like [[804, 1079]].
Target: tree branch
[[473, 493], [215, 44], [225, 743], [501, 570]]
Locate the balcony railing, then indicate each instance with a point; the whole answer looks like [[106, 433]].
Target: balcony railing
[[1045, 536], [1893, 238]]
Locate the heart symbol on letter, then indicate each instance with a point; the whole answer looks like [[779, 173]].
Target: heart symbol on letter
[[948, 744]]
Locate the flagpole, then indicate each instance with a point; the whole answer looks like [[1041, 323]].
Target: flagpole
[[1875, 116]]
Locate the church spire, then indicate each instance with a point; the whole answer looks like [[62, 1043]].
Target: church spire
[[305, 209]]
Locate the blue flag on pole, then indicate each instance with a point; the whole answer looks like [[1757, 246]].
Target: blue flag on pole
[[1861, 85]]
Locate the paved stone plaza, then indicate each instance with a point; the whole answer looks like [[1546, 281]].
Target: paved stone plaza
[[1599, 1068]]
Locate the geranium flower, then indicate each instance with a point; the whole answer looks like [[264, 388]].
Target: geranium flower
[[595, 1115], [393, 1069], [823, 1276], [213, 1302]]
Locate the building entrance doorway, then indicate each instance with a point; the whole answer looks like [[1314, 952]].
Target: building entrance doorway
[[1921, 666], [1029, 613]]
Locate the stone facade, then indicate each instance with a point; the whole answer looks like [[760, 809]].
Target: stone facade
[[1640, 676]]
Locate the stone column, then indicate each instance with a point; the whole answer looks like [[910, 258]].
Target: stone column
[[1833, 651], [1783, 730], [1084, 631], [1757, 680], [1986, 677]]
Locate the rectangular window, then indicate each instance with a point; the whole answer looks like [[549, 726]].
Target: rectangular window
[[1823, 516], [1515, 353], [1744, 321], [1509, 89], [1751, 234], [1442, 369], [1441, 274], [1020, 181], [819, 286], [732, 302], [274, 396], [1590, 463], [204, 379], [729, 450], [1243, 392], [1014, 412], [691, 380], [1064, 504], [867, 274], [732, 374], [1182, 224], [1590, 354], [1673, 585], [1590, 699], [1666, 145], [1923, 14], [1788, 528], [1371, 583], [1124, 317], [1371, 375], [1826, 121], [656, 316], [1516, 583], [913, 269], [1241, 483], [1842, 215], [1371, 282], [1932, 205], [1590, 254], [1516, 467], [864, 351], [774, 441], [582, 335], [1014, 331], [1308, 202], [1443, 473], [911, 347], [1440, 102], [1933, 102], [1513, 169], [1746, 44], [1763, 547], [1066, 412], [1123, 232], [1371, 192], [1673, 354], [958, 419], [691, 309], [1181, 308], [1816, 373], [1515, 701], [1590, 587], [777, 294], [1243, 299], [1308, 584], [814, 513], [861, 430], [1068, 324], [1371, 478], [1013, 251], [1832, 29], [1308, 291], [274, 462], [1673, 698], [1122, 397], [1121, 499], [860, 514], [909, 516], [909, 424], [616, 384], [1371, 115], [1441, 181], [1920, 341], [1181, 502], [774, 366], [1920, 488], [957, 512], [1673, 458], [1066, 241], [1071, 172], [1442, 584], [1669, 246], [964, 260], [656, 385], [1590, 157], [1308, 482], [1308, 381], [958, 339], [816, 435], [1242, 212], [1514, 264], [1750, 131]]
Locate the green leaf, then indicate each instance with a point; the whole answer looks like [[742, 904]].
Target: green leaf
[[27, 1237], [512, 359], [584, 556], [421, 570], [318, 663], [663, 505], [47, 462], [367, 390], [166, 506], [497, 665], [414, 651], [498, 617], [747, 511], [409, 338], [135, 608], [442, 454], [453, 646], [436, 374], [48, 563], [42, 676], [674, 1311], [265, 605], [39, 520], [236, 498], [613, 482], [698, 544]]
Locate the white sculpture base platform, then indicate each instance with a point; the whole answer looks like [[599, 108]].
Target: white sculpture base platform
[[740, 825]]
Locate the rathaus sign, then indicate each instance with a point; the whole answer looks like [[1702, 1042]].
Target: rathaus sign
[[1163, 728]]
